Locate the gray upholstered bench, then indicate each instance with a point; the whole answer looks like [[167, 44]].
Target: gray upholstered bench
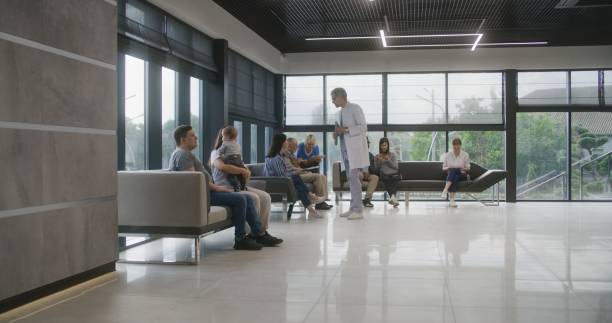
[[168, 204]]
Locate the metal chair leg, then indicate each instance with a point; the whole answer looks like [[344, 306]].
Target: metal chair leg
[[290, 211]]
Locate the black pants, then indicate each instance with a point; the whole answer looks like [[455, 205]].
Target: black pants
[[391, 182]]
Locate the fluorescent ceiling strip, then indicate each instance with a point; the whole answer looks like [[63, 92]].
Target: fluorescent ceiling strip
[[519, 43], [382, 37], [340, 38], [434, 35], [405, 36], [476, 42]]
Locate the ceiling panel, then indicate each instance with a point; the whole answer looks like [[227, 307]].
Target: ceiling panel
[[287, 23]]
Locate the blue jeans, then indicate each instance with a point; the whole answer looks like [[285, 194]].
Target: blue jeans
[[302, 189], [454, 175], [243, 210]]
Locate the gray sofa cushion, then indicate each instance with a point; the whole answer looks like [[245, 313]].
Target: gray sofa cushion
[[217, 214]]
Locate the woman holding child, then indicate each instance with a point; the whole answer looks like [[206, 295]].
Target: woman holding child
[[222, 172]]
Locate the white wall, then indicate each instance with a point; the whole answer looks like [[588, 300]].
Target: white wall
[[214, 21], [448, 59]]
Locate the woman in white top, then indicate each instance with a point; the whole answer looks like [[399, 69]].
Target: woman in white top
[[456, 164]]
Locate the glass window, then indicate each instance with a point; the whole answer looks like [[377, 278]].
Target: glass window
[[416, 98], [238, 126], [608, 87], [591, 155], [475, 98], [195, 103], [487, 149], [542, 88], [364, 90], [304, 100], [585, 87], [134, 113], [168, 114], [541, 156], [268, 139], [418, 146], [254, 149]]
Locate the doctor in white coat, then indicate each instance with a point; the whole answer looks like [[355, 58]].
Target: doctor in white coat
[[352, 129]]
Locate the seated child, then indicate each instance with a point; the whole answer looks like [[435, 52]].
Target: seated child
[[231, 153]]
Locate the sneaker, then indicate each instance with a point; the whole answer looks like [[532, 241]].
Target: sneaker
[[345, 214], [247, 244], [444, 193], [355, 216], [323, 206], [452, 203], [367, 202], [316, 199], [267, 240], [393, 201]]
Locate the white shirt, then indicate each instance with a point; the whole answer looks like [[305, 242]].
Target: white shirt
[[451, 161]]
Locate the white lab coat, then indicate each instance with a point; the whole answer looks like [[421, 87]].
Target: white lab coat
[[355, 138]]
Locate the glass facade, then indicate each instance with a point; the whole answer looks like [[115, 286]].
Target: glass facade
[[416, 98], [168, 114], [475, 98], [541, 147], [254, 149], [584, 87], [364, 90], [591, 143], [304, 100], [540, 88], [607, 75], [135, 140], [195, 105]]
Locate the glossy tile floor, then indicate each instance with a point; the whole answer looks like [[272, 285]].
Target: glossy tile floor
[[524, 262]]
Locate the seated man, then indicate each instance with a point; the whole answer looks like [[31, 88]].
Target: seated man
[[370, 176], [242, 207], [319, 181], [308, 154]]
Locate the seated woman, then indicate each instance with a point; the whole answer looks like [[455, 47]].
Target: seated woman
[[388, 169], [308, 152], [220, 172], [276, 166], [456, 164]]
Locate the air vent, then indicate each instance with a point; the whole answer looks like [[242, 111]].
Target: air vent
[[564, 4]]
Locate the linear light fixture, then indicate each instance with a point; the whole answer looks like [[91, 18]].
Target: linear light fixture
[[473, 46], [382, 37], [476, 42]]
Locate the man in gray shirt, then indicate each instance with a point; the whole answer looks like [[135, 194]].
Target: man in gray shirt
[[242, 207]]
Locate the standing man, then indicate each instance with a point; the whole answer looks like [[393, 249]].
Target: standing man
[[352, 131]]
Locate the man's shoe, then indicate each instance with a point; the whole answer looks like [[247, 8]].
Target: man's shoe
[[367, 203], [267, 240], [323, 206], [355, 216], [247, 244]]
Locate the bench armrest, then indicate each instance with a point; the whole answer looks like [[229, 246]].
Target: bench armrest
[[278, 185], [488, 179]]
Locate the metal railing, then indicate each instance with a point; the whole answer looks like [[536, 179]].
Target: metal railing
[[594, 163]]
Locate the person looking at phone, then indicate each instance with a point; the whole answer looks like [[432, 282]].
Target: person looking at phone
[[295, 167]]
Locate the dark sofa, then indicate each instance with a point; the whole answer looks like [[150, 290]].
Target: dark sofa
[[422, 176]]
